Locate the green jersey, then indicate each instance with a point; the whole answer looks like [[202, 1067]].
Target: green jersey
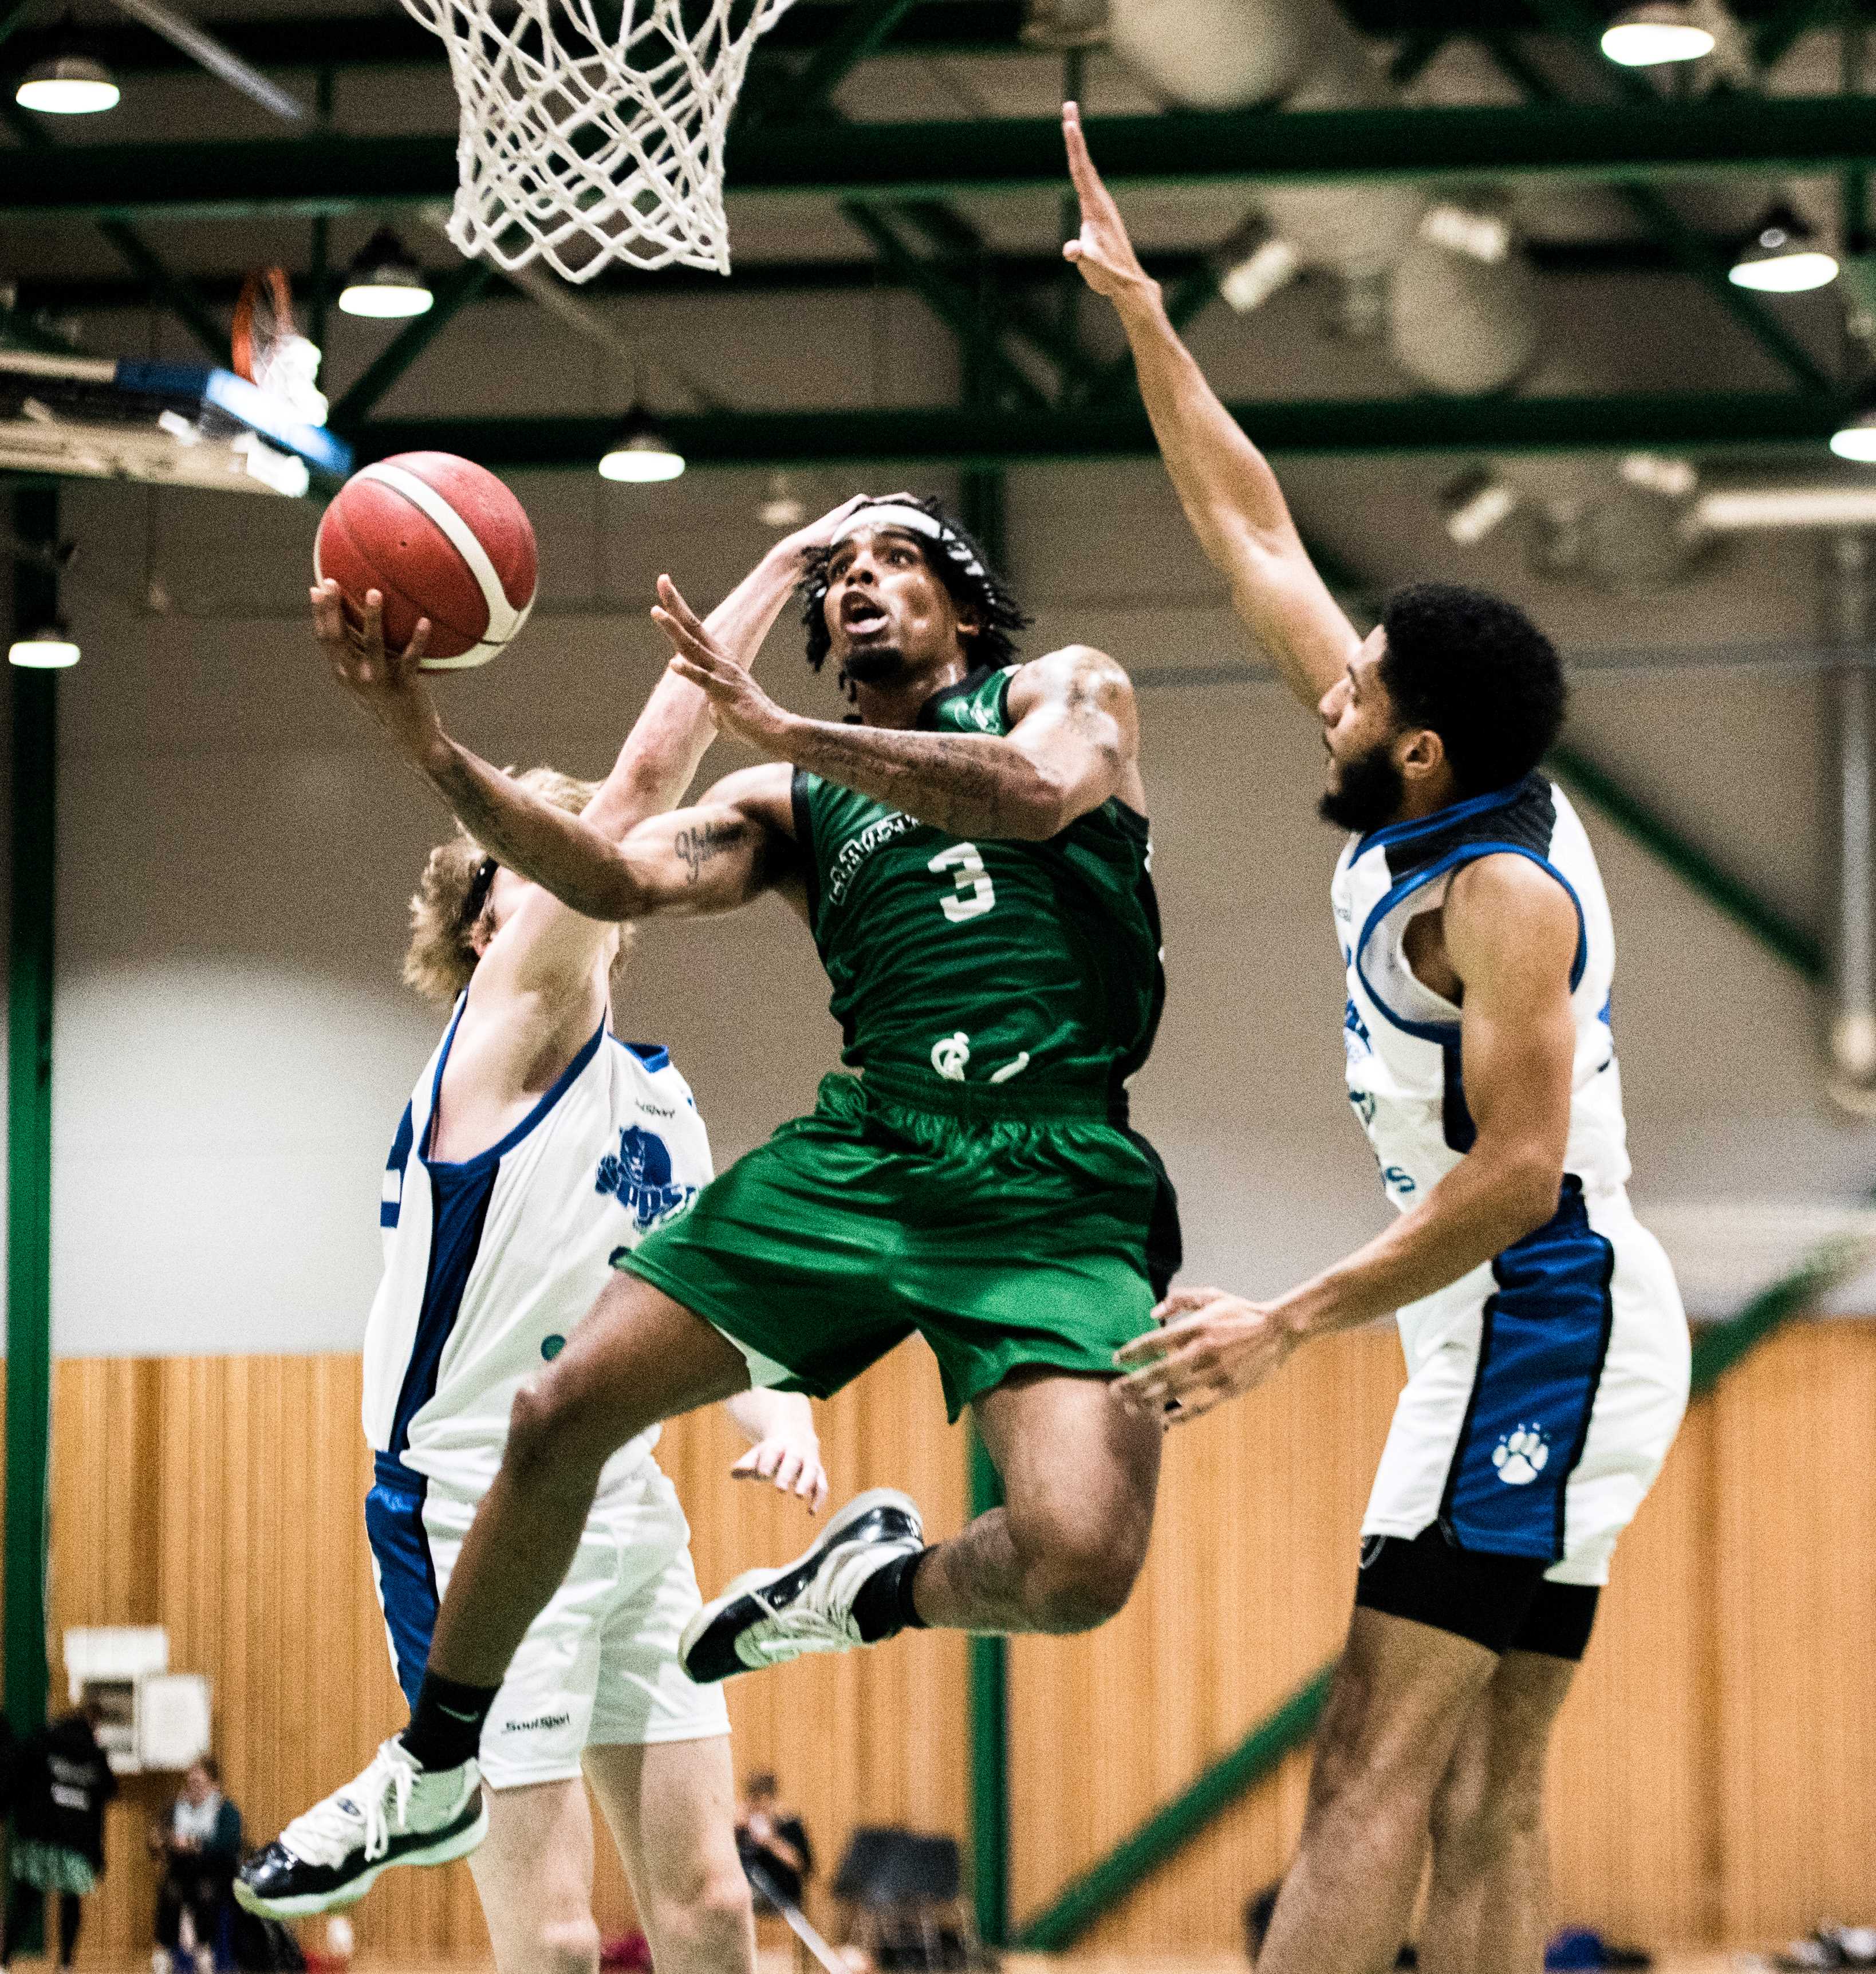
[[1018, 966]]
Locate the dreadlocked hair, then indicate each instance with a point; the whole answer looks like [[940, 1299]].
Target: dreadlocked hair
[[999, 615]]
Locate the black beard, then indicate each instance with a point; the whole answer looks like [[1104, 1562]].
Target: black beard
[[1369, 792], [875, 665]]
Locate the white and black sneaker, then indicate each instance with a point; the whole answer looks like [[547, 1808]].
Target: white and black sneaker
[[767, 1617], [394, 1813]]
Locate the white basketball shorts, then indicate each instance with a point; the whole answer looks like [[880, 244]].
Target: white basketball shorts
[[1543, 1391], [599, 1665]]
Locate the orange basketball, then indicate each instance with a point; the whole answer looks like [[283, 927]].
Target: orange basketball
[[441, 538]]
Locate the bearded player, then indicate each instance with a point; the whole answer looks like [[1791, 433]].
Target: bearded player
[[970, 856], [536, 1147], [1547, 1351]]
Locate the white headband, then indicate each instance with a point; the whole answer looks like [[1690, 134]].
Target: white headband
[[913, 521]]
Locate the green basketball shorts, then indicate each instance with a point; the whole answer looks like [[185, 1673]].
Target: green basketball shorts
[[1005, 1232]]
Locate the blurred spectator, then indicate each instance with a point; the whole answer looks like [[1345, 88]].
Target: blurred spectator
[[773, 1841], [198, 1844], [60, 1787]]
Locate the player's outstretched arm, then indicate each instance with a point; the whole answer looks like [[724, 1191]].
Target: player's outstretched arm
[[713, 858], [1073, 744], [1225, 485], [1510, 933], [785, 1450]]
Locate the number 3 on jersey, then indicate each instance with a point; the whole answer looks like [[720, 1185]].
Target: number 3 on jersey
[[974, 894]]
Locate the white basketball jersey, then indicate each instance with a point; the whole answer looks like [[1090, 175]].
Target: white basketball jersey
[[1405, 1077], [491, 1262]]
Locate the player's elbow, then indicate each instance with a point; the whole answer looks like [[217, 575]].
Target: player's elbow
[[1530, 1180]]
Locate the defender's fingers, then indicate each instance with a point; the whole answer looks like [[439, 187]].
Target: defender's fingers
[[1147, 1349], [673, 599], [691, 642], [787, 1470], [419, 644], [1088, 180]]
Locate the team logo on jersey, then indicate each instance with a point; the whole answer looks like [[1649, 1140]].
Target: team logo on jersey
[[638, 1175], [1521, 1455], [950, 1054], [857, 849]]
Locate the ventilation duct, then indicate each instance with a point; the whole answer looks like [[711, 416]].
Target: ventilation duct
[[1454, 319]]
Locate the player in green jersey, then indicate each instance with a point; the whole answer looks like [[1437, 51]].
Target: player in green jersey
[[970, 854]]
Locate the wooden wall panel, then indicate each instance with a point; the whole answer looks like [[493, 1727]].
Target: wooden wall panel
[[1715, 1774], [1246, 1591], [1795, 1616], [221, 1497], [1634, 1816]]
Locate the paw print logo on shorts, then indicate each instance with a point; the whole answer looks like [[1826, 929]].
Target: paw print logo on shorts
[[1520, 1455]]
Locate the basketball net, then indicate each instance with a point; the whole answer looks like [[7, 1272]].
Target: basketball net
[[592, 131]]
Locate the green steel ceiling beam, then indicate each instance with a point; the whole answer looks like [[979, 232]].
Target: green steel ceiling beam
[[452, 294], [1565, 259], [1780, 935], [1708, 261], [33, 806], [171, 289], [241, 179], [1700, 421], [1772, 38], [394, 40], [864, 29], [957, 305]]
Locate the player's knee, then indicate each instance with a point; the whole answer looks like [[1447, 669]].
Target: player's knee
[[705, 1906], [1478, 1814], [567, 1944], [551, 1430], [1077, 1585]]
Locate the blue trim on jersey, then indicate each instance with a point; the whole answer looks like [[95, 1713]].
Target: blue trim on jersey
[[406, 1579], [654, 1055], [494, 1156], [1544, 1337], [388, 1209], [459, 1204], [1440, 819], [1463, 853]]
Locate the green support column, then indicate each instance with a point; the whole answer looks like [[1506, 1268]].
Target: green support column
[[989, 1743], [29, 1122]]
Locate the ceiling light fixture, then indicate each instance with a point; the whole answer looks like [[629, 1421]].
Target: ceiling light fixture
[[1782, 257], [1856, 438], [1480, 235], [642, 455], [782, 506], [68, 85], [1251, 282], [1474, 504], [50, 648], [384, 282], [1657, 31]]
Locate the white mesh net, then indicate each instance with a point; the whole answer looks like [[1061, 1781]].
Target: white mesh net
[[593, 130]]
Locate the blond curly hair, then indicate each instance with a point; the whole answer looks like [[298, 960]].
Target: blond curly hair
[[441, 955]]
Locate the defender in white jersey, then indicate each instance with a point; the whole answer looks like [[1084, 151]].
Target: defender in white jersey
[[1547, 1351], [537, 1147]]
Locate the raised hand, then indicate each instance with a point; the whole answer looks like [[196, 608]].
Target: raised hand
[[388, 684], [1102, 250], [1210, 1346], [741, 706]]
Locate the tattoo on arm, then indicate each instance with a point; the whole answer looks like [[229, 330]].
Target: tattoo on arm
[[698, 845]]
